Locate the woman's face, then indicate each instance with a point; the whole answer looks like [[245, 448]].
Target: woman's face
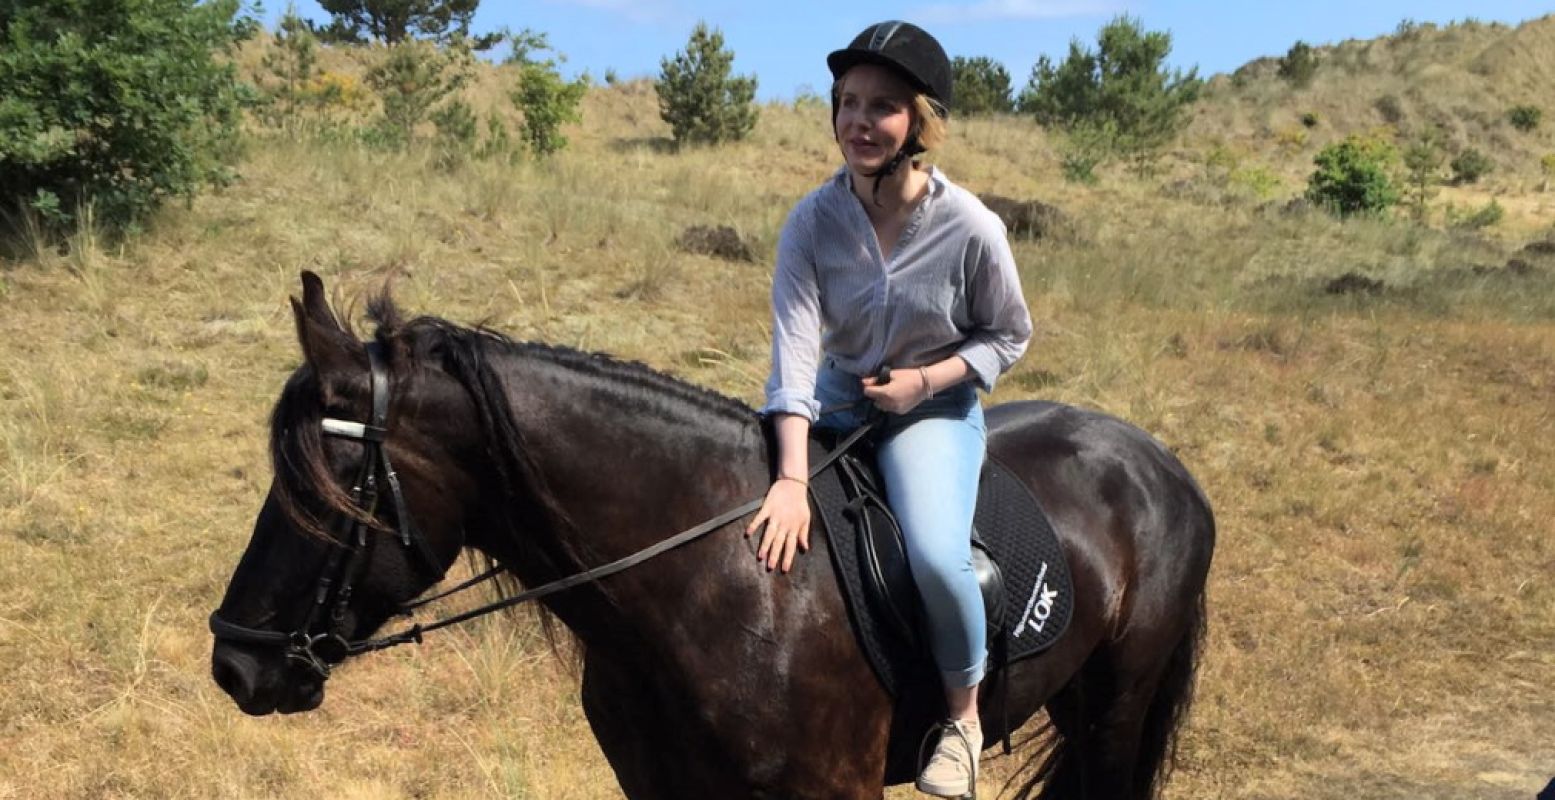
[[874, 116]]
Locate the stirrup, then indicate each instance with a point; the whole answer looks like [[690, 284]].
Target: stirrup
[[944, 729]]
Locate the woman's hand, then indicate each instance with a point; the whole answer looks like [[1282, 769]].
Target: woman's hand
[[901, 393], [786, 514]]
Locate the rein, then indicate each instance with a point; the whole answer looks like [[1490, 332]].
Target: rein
[[322, 650]]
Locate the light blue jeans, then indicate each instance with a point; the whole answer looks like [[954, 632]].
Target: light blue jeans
[[930, 459]]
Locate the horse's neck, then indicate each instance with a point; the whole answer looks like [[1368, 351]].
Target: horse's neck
[[624, 463]]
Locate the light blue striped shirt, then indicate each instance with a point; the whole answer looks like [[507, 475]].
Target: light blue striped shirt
[[950, 288]]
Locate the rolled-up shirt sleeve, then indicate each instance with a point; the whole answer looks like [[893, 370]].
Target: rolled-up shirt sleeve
[[998, 311], [796, 321]]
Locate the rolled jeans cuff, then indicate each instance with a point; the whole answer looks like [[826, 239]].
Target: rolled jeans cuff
[[965, 678]]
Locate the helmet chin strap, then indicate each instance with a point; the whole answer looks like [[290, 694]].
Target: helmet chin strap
[[909, 149]]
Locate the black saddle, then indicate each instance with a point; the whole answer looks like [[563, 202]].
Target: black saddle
[[1019, 564]]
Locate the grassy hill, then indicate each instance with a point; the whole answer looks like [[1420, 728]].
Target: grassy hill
[[1367, 403], [1460, 79]]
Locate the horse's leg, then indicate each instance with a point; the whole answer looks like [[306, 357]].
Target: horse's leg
[[649, 744], [620, 723]]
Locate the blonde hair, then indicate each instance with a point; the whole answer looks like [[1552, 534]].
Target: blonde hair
[[933, 129]]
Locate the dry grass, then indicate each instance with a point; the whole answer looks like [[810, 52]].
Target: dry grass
[[1383, 465]]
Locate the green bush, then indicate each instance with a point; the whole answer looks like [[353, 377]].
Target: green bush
[[288, 71], [1470, 165], [1352, 177], [699, 99], [411, 79], [981, 86], [1423, 160], [1482, 217], [114, 105], [1082, 149], [1525, 118], [1122, 87], [1299, 65], [547, 102]]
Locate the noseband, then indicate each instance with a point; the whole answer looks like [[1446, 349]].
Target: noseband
[[322, 641]]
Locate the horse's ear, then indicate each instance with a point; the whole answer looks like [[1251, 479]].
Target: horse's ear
[[326, 347], [314, 304]]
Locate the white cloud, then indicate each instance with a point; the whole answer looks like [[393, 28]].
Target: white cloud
[[988, 10]]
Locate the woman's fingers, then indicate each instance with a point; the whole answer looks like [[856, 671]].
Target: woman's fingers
[[756, 521]]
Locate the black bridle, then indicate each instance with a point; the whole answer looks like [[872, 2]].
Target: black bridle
[[321, 641]]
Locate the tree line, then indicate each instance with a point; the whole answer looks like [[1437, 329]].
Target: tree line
[[120, 110]]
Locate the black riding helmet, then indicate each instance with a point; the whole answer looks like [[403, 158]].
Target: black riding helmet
[[905, 48], [911, 53]]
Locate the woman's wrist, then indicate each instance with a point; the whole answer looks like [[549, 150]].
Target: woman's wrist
[[928, 385], [800, 481]]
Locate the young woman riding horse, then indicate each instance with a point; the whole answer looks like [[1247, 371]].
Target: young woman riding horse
[[703, 676], [889, 263]]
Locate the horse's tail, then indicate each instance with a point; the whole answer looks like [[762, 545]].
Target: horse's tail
[[1169, 708], [1055, 770]]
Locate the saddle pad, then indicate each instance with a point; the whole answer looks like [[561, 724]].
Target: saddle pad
[[1039, 596]]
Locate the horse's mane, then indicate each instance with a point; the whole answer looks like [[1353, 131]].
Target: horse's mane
[[309, 494]]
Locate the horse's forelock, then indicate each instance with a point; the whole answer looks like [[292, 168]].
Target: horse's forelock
[[305, 486]]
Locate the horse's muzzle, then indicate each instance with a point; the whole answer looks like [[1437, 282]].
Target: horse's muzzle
[[260, 688]]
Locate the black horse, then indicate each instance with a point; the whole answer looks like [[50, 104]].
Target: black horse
[[705, 675]]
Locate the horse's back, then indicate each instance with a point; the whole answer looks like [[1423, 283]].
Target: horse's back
[[1108, 486]]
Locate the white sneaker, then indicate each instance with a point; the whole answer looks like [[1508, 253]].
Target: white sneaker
[[952, 770]]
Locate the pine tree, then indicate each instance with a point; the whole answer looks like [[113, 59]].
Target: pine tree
[[697, 96]]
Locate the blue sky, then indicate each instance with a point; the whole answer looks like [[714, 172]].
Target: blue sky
[[784, 43]]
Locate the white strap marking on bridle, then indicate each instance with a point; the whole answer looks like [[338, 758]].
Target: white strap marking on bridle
[[343, 427]]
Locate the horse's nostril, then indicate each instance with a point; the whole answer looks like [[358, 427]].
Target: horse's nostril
[[232, 677]]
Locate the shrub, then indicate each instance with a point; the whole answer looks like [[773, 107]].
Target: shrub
[[1470, 165], [1482, 217], [1122, 88], [1423, 160], [982, 86], [286, 69], [1525, 118], [1259, 181], [1299, 65], [1310, 119], [699, 99], [1390, 108], [547, 103], [410, 80], [114, 110], [1082, 149], [1352, 177]]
